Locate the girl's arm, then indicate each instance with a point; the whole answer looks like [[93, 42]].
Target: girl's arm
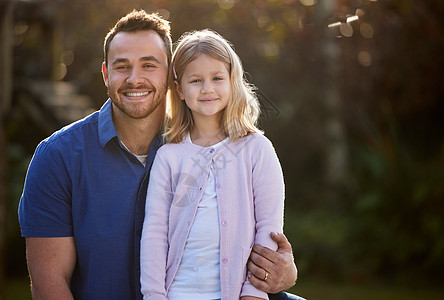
[[154, 241], [279, 264], [268, 192]]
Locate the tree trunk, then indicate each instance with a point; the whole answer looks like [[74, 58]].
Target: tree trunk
[[6, 21], [335, 151]]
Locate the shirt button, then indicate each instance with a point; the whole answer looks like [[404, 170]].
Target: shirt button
[[224, 223], [225, 260]]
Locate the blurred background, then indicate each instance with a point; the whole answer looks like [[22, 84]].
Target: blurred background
[[352, 98]]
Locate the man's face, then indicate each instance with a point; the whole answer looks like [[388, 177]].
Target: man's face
[[137, 72]]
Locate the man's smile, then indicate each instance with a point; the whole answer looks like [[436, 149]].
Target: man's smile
[[136, 94]]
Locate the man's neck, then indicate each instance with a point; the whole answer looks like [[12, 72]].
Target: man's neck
[[137, 134]]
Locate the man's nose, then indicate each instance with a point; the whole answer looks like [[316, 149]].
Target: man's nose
[[135, 77]]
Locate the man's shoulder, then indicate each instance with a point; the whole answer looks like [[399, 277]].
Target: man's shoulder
[[74, 131]]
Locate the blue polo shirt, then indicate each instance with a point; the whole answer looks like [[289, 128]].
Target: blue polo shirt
[[82, 182]]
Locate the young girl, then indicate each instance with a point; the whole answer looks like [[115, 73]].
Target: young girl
[[216, 187]]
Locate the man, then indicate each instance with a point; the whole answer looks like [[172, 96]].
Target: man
[[83, 202]]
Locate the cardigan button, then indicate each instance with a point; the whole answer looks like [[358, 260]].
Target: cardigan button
[[224, 223], [225, 260], [212, 150]]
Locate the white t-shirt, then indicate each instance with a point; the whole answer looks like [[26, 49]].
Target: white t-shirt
[[142, 158], [198, 276]]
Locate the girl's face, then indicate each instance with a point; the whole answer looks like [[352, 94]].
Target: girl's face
[[205, 87]]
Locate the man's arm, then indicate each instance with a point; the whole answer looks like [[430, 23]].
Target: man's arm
[[279, 265], [51, 262]]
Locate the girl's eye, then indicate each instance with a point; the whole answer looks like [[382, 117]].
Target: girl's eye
[[195, 80], [218, 78]]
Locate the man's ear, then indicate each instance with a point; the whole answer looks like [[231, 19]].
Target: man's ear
[[105, 73], [179, 90]]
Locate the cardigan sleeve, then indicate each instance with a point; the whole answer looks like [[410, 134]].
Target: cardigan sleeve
[[268, 193], [154, 241]]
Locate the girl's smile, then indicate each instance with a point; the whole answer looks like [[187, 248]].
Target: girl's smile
[[208, 100]]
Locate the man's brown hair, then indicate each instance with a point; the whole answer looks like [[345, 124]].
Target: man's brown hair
[[138, 20]]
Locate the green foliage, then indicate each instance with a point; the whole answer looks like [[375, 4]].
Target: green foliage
[[318, 240], [17, 289], [397, 217], [18, 159]]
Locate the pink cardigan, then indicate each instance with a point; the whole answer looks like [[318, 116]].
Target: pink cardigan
[[250, 195]]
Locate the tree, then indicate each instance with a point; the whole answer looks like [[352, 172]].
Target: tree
[[6, 18]]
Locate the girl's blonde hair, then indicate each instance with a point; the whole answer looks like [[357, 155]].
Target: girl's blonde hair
[[242, 111]]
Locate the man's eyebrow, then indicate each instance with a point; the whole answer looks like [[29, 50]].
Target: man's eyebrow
[[119, 60], [150, 58]]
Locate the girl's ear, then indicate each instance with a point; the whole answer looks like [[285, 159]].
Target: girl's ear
[[179, 90]]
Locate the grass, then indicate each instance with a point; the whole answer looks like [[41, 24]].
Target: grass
[[315, 290], [18, 289]]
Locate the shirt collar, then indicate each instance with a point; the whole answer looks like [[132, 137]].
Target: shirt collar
[[157, 142], [107, 130]]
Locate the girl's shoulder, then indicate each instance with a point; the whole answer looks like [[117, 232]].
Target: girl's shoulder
[[172, 148], [251, 143], [254, 139]]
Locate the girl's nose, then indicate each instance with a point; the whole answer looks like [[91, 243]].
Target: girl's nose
[[207, 87]]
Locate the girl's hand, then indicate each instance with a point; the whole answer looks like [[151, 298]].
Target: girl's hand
[[251, 298]]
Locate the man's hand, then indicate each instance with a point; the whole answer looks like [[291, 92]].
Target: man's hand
[[273, 271]]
